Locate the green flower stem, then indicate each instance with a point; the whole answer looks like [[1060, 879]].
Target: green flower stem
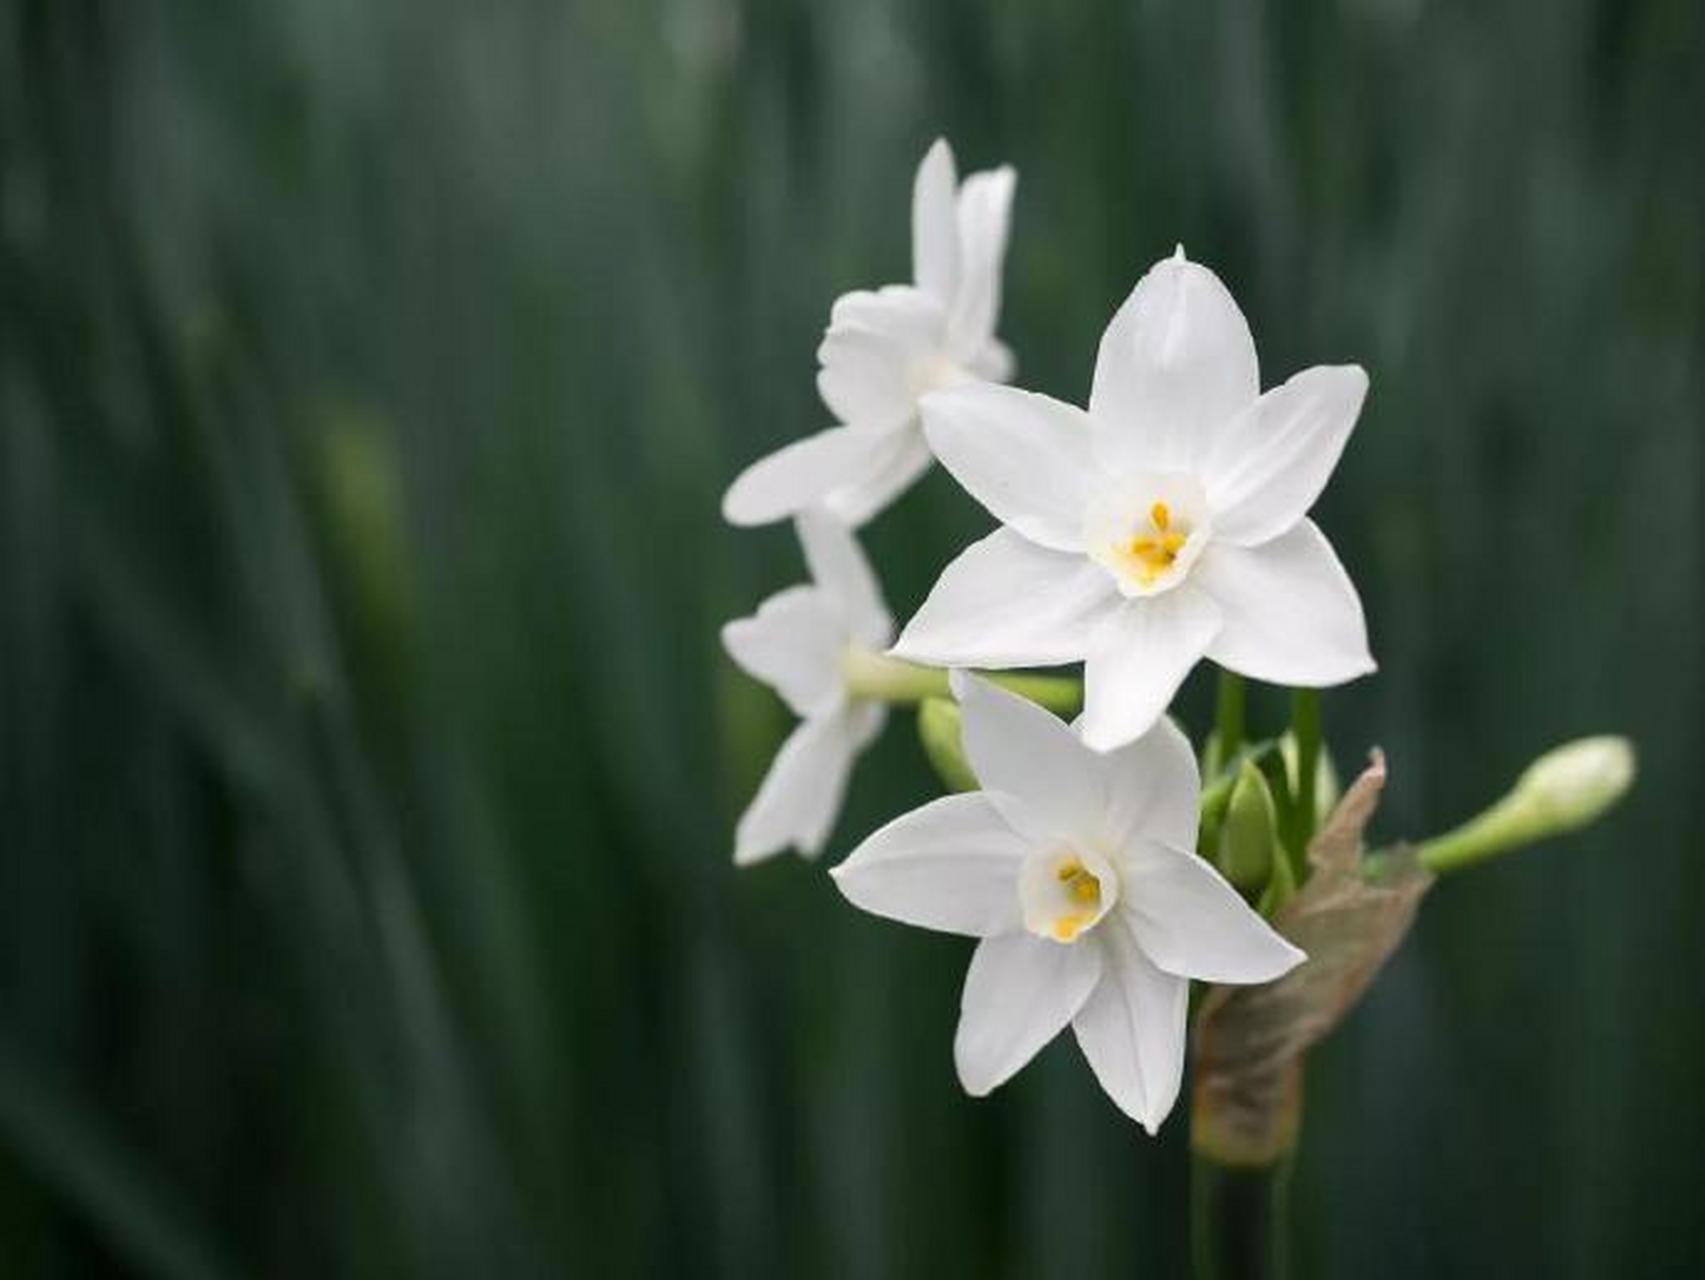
[[880, 678], [1240, 1219], [1305, 727], [1063, 695], [1474, 841], [1229, 728]]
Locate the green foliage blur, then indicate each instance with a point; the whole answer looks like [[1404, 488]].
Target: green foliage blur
[[369, 376]]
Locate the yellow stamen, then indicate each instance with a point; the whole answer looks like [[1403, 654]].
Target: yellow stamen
[[1080, 883], [1155, 550], [1154, 556], [1066, 928]]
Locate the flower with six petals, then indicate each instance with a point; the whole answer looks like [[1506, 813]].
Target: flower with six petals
[[887, 347], [1165, 524], [797, 643], [1075, 871]]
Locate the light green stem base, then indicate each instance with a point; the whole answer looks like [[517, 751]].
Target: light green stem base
[[880, 678]]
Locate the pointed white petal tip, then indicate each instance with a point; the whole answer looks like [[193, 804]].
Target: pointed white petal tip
[[902, 650], [971, 1084], [1177, 256], [907, 649], [1350, 671], [747, 504], [729, 635], [739, 510], [751, 855], [1100, 738], [746, 855]]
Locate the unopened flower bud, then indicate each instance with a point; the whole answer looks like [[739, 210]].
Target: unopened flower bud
[[1249, 833], [1564, 790], [1571, 785]]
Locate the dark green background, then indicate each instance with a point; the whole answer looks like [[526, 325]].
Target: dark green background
[[369, 375]]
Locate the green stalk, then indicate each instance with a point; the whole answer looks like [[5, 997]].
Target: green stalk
[[1240, 1219], [1229, 728], [880, 678], [1305, 727], [1063, 695]]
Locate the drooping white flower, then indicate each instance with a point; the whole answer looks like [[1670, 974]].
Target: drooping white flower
[[1166, 523], [797, 643], [885, 348], [1075, 870]]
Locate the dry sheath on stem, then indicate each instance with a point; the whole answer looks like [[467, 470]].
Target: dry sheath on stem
[[1250, 1041]]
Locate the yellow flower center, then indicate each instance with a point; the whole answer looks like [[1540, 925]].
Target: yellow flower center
[[1147, 529], [1082, 888], [1152, 551], [1063, 892]]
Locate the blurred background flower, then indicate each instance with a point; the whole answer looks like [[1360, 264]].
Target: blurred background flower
[[369, 377]]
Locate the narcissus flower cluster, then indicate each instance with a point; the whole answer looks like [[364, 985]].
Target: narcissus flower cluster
[[1165, 523]]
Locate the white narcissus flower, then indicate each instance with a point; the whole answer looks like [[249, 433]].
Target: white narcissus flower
[[1075, 870], [1165, 524], [797, 643], [887, 347]]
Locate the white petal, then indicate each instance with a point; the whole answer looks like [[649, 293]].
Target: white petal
[[1291, 613], [1140, 658], [1132, 1027], [797, 802], [1006, 602], [839, 567], [1019, 750], [935, 229], [865, 721], [1153, 787], [912, 318], [876, 350], [1028, 458], [984, 213], [1176, 364], [907, 459], [994, 362], [794, 644], [1270, 464], [1191, 923], [798, 475], [1020, 993], [951, 865]]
